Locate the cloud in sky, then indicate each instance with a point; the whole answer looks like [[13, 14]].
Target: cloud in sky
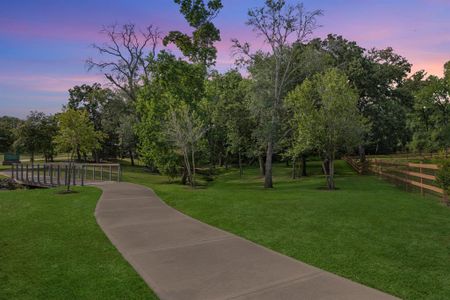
[[44, 43]]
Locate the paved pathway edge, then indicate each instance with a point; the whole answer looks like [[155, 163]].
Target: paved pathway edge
[[182, 258]]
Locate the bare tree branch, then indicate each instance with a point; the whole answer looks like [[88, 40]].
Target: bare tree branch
[[126, 62]]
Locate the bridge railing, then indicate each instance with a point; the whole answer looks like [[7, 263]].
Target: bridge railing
[[58, 174]]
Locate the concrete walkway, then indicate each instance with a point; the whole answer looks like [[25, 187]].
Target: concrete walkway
[[182, 258]]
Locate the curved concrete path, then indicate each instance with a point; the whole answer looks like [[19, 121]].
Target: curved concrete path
[[182, 258]]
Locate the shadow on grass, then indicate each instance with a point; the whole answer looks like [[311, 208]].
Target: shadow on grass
[[64, 191]]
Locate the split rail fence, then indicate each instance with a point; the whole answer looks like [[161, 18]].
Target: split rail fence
[[418, 176], [58, 174]]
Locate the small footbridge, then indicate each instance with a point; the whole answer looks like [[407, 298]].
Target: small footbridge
[[62, 174]]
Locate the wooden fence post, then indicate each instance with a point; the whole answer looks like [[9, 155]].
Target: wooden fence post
[[51, 175], [65, 175], [421, 179], [74, 170], [58, 179], [82, 175], [45, 173], [407, 176]]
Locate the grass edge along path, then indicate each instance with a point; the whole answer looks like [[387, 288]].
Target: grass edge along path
[[368, 231], [51, 247]]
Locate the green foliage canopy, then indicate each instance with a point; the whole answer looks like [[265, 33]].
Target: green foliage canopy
[[76, 133], [199, 47], [327, 117]]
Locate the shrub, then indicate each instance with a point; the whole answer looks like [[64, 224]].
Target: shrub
[[443, 178], [8, 184]]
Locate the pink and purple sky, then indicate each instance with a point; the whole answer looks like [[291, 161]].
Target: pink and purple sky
[[44, 43]]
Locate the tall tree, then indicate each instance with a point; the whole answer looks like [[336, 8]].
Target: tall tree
[[127, 136], [281, 25], [114, 114], [430, 117], [76, 132], [185, 129], [8, 125], [174, 82], [35, 134], [327, 117], [128, 52], [227, 94], [377, 75], [198, 47], [387, 109], [90, 98], [49, 128]]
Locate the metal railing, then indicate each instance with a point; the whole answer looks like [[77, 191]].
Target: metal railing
[[58, 174]]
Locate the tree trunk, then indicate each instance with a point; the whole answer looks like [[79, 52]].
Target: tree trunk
[[362, 153], [241, 171], [304, 174], [78, 154], [268, 184], [184, 177], [193, 167], [294, 171], [131, 157], [188, 166], [330, 176], [97, 157], [262, 169], [32, 157], [68, 175], [69, 169], [326, 166]]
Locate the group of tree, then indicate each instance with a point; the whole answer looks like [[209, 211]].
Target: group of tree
[[299, 96]]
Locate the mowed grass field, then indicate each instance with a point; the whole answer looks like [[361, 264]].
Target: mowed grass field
[[52, 248], [368, 230]]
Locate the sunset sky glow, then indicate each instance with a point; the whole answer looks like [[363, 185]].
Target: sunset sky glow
[[44, 43]]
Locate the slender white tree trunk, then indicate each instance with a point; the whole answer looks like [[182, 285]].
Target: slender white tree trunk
[[187, 164], [193, 167]]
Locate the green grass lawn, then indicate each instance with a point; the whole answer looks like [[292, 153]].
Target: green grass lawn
[[52, 248], [368, 230]]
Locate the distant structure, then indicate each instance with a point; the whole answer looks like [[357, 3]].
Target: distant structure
[[11, 158]]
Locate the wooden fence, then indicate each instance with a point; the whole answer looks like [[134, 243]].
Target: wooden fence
[[57, 174], [417, 176], [360, 168]]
